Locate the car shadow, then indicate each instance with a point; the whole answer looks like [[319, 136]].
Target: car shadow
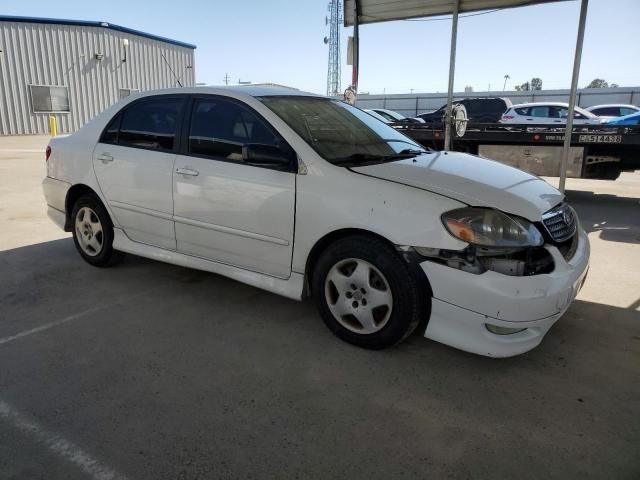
[[617, 219], [160, 352]]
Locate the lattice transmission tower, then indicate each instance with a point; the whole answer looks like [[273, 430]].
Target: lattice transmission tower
[[334, 20]]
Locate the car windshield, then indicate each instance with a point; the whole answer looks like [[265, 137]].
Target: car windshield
[[340, 133]]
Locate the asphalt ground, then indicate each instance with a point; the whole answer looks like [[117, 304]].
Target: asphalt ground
[[152, 371]]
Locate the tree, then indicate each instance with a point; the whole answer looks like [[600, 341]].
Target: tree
[[536, 83], [598, 83]]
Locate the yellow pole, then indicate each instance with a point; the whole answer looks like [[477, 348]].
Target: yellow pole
[[52, 126]]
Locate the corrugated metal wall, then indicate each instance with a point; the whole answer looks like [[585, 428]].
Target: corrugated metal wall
[[64, 55]]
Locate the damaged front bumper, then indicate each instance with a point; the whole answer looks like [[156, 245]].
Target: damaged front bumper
[[465, 306]]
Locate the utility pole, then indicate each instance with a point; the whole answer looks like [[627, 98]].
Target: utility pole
[[226, 79], [333, 69]]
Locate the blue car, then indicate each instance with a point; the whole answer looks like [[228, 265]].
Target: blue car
[[633, 119]]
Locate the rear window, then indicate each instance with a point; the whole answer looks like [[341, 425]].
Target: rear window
[[150, 124]]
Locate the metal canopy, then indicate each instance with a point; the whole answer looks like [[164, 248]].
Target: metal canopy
[[371, 11], [359, 12]]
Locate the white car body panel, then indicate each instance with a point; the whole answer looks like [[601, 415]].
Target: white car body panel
[[472, 180], [235, 214], [595, 110], [290, 288], [259, 226], [137, 185], [512, 116], [462, 305]]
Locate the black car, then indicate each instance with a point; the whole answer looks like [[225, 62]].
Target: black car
[[480, 110]]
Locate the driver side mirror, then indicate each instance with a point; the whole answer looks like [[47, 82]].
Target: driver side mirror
[[268, 156]]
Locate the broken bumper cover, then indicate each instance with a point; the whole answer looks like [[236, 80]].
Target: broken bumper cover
[[464, 303]]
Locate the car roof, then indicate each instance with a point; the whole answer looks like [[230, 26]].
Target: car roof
[[236, 91], [542, 104], [627, 105]]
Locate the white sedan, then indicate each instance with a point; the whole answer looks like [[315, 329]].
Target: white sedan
[[306, 196], [551, 113]]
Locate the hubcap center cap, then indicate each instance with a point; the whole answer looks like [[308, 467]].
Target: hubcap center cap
[[357, 296]]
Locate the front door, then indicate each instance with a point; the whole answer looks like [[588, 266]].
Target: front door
[[134, 163], [224, 209]]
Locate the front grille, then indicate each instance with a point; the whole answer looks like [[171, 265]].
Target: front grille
[[560, 222]]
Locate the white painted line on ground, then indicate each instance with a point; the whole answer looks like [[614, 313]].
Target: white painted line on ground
[[58, 445], [70, 318], [49, 325]]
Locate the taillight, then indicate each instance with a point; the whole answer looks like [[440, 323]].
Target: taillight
[[508, 117], [47, 153]]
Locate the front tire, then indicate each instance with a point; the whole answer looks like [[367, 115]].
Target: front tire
[[366, 293], [93, 232]]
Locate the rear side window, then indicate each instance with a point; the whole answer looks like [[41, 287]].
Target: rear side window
[[522, 111], [539, 111], [607, 111], [626, 111], [220, 128], [149, 124], [110, 134]]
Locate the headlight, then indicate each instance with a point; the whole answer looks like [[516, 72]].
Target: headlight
[[491, 228]]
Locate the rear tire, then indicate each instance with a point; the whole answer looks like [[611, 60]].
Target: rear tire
[[93, 232], [366, 293]]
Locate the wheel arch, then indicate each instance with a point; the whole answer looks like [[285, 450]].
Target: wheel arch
[[324, 242], [74, 193]]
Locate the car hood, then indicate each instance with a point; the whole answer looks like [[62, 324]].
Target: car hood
[[473, 180]]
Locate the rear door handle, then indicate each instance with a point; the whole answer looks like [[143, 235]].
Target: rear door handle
[[105, 158], [187, 171]]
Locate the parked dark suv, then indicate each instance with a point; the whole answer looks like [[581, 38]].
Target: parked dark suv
[[481, 110]]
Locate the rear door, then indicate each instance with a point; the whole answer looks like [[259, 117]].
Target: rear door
[[227, 210], [134, 163]]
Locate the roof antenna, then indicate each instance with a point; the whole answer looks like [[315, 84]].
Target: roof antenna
[[174, 73]]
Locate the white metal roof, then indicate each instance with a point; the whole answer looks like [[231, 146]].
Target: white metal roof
[[372, 11]]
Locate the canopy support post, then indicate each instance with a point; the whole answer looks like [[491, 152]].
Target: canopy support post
[[452, 69], [572, 98], [356, 48]]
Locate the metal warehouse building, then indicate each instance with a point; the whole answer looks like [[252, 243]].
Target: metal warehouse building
[[75, 69]]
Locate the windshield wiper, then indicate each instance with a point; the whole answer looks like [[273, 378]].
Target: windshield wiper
[[368, 158]]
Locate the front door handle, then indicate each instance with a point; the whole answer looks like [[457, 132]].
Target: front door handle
[[187, 171], [105, 158]]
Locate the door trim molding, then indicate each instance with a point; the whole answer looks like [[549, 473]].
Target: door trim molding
[[231, 231], [143, 210]]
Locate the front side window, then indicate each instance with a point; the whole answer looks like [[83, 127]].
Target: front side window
[[49, 98], [220, 128], [624, 111], [340, 133], [150, 124]]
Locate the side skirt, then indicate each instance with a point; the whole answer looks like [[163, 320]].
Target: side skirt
[[290, 288]]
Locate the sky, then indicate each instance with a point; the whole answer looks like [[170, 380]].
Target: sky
[[281, 41]]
